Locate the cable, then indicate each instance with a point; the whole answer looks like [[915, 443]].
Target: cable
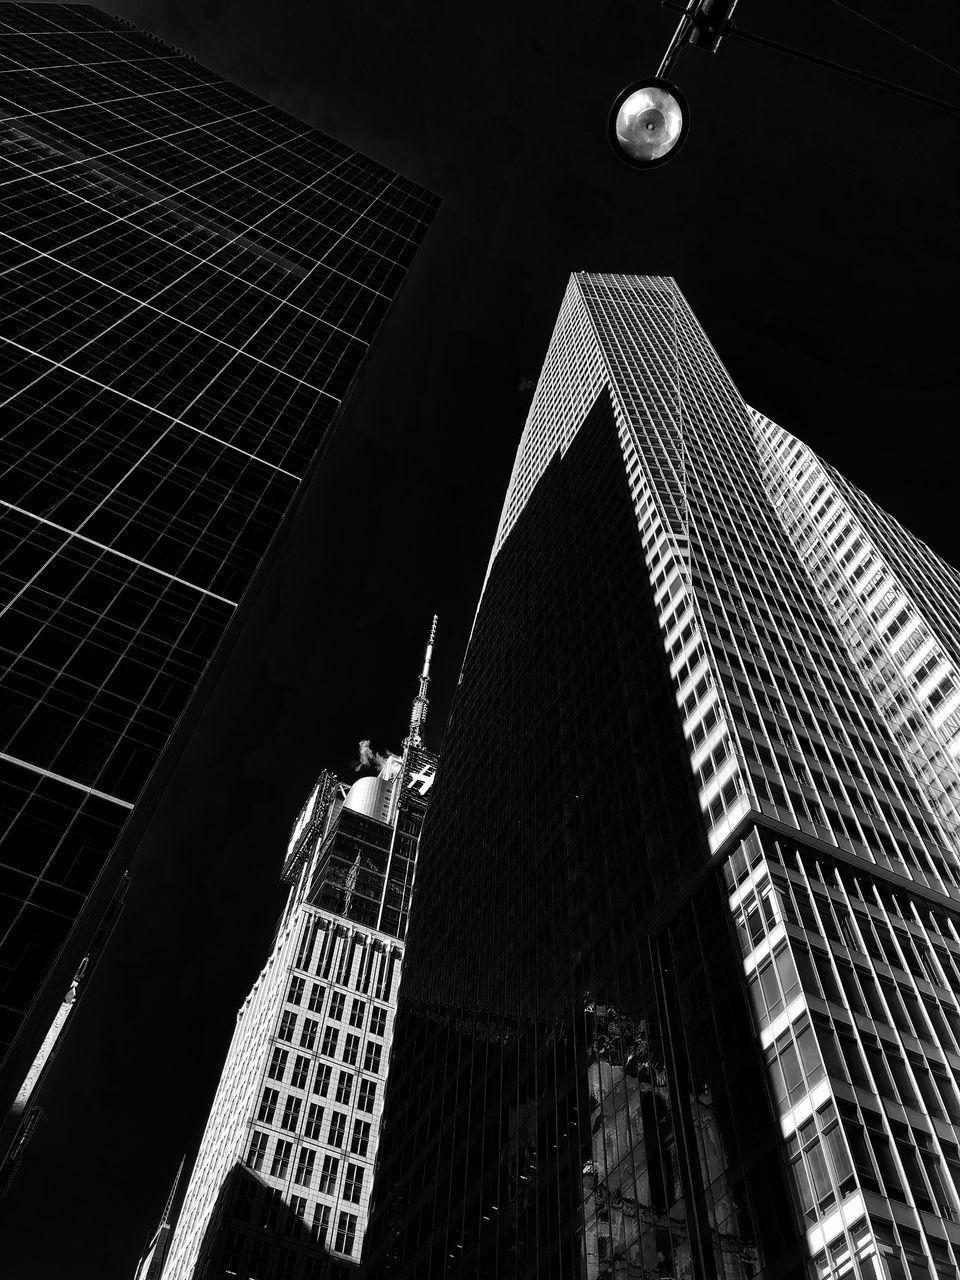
[[733, 30], [895, 36], [817, 61]]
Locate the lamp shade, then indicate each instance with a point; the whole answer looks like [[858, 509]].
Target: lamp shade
[[648, 123]]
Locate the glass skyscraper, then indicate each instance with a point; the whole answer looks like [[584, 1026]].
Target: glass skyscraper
[[192, 279], [681, 990], [281, 1185]]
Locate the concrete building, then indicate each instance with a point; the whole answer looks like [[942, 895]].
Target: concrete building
[[282, 1181]]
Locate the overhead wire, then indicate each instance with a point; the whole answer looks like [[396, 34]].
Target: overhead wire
[[894, 35]]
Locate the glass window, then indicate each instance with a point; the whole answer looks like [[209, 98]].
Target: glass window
[[281, 1158], [291, 1113], [338, 1123], [305, 1162], [346, 1233], [268, 1105], [353, 1183], [301, 1068], [311, 1128]]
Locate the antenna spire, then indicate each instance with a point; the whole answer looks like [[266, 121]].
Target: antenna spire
[[418, 715], [165, 1220]]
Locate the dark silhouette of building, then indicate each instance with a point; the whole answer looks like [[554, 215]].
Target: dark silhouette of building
[[680, 995], [192, 279]]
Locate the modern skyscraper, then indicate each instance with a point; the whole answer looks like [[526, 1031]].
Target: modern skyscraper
[[281, 1185], [680, 994], [192, 278]]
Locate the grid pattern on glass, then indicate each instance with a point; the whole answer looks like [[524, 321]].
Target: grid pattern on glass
[[191, 279]]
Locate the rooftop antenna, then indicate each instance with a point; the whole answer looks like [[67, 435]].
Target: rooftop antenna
[[419, 713], [168, 1208]]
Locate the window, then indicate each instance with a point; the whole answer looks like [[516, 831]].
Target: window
[[321, 1222], [360, 1141], [346, 1233], [287, 1024], [328, 1175], [245, 1200], [351, 1050], [337, 1001], [820, 1163], [330, 1037], [278, 1064], [378, 1021], [314, 1120], [286, 1262], [367, 1095], [301, 1067], [259, 1260], [308, 1036], [353, 1183], [297, 1216], [270, 1213], [305, 1162], [291, 1113], [268, 1105], [295, 994], [357, 1009], [338, 1123], [795, 1064], [281, 1158], [258, 1149], [344, 1087], [371, 1056], [232, 1251], [321, 1081], [316, 997]]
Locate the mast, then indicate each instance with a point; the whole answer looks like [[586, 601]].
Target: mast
[[165, 1220], [418, 715]]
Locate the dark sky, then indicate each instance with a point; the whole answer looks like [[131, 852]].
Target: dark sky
[[812, 223]]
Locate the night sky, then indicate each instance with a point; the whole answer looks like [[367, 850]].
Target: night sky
[[811, 221]]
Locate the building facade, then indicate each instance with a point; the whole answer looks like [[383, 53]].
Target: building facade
[[192, 279], [282, 1181], [681, 991]]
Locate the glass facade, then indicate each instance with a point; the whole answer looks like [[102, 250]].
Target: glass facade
[[680, 994], [192, 278]]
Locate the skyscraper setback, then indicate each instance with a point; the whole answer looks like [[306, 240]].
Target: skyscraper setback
[[281, 1184], [192, 279], [680, 994]]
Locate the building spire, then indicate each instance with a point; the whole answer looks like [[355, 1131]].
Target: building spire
[[418, 715], [168, 1208]]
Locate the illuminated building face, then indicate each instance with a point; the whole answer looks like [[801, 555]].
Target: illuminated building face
[[680, 993], [284, 1174]]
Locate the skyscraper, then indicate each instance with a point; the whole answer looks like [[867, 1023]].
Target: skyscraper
[[281, 1185], [680, 995], [192, 279]]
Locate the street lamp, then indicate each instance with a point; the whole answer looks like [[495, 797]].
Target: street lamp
[[648, 123], [649, 119]]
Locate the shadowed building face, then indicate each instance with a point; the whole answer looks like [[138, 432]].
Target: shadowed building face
[[698, 862], [192, 280]]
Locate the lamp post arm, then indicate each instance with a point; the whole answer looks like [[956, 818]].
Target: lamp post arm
[[678, 39]]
